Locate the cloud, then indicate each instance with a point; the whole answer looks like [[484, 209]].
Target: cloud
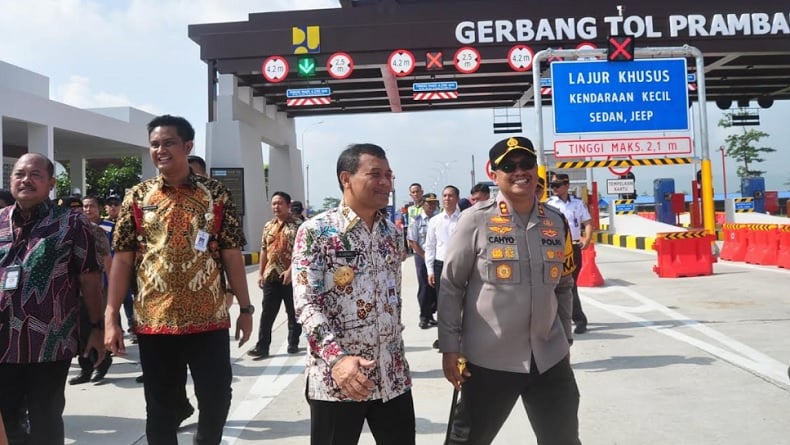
[[77, 92]]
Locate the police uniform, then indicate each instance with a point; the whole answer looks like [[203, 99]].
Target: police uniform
[[505, 304]]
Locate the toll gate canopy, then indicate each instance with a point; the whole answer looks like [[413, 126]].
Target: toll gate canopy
[[475, 53]]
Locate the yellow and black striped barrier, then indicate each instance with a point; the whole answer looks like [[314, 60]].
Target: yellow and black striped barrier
[[624, 207], [624, 163], [744, 205], [682, 235], [626, 241], [762, 227], [251, 258]]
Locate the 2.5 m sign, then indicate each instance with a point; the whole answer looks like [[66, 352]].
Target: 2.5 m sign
[[600, 97]]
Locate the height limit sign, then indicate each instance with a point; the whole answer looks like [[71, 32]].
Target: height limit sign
[[520, 58]]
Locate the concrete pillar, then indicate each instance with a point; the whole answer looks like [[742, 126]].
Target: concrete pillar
[[41, 139], [234, 140]]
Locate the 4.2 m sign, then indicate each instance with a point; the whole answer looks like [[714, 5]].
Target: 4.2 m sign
[[600, 97]]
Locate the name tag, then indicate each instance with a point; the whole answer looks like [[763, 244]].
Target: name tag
[[201, 241], [347, 254], [11, 279]]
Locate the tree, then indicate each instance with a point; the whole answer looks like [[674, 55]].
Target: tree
[[116, 177], [63, 184], [741, 147], [330, 203]]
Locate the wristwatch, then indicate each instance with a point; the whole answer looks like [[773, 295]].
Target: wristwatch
[[247, 310]]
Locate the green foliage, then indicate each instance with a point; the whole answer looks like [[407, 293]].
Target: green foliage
[[741, 147], [117, 176], [330, 203], [63, 184]]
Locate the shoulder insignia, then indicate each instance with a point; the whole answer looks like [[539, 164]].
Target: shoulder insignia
[[499, 219], [500, 229]]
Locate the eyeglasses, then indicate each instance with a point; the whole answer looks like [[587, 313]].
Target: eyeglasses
[[527, 163], [556, 185]]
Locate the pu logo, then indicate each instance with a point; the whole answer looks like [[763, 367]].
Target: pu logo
[[307, 39]]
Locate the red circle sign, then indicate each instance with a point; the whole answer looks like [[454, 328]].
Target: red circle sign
[[401, 62], [340, 65], [274, 69], [520, 58], [467, 60], [618, 173]]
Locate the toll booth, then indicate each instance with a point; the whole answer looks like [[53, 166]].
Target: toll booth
[[663, 189], [754, 188]]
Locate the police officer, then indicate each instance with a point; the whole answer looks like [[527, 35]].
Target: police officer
[[505, 305], [580, 222]]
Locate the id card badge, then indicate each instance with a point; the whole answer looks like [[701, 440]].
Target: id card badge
[[11, 279], [201, 241]]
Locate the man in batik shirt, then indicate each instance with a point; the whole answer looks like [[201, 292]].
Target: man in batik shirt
[[172, 233], [274, 276], [346, 274], [47, 258]]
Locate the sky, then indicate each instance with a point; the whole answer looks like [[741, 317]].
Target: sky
[[137, 53]]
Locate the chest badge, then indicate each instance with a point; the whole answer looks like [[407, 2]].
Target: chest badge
[[343, 276], [504, 271]]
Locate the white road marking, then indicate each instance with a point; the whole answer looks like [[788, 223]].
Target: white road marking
[[275, 378], [738, 354]]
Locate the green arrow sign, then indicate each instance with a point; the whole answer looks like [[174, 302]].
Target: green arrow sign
[[305, 67]]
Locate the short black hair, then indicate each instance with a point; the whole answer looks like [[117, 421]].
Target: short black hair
[[283, 195], [348, 161], [183, 127], [415, 184], [6, 197], [197, 159], [455, 189], [480, 187]]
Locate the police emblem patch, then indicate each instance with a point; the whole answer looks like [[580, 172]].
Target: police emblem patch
[[504, 271]]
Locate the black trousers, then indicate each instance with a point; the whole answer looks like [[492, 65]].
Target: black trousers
[[551, 400], [340, 423], [577, 314], [40, 386], [438, 266], [274, 293], [164, 359], [426, 295]]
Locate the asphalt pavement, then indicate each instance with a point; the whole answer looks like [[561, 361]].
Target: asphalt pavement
[[694, 361]]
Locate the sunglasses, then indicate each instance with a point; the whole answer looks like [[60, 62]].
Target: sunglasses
[[525, 164], [556, 185]]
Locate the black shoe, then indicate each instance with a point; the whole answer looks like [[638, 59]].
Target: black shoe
[[84, 377], [433, 322], [186, 414], [435, 344], [424, 324], [140, 378], [258, 354], [581, 327], [293, 349], [101, 371]]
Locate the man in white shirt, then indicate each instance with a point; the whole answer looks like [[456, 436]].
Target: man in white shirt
[[418, 231], [440, 229], [580, 223]]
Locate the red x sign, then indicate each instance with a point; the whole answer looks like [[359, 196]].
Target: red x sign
[[620, 49], [433, 61]]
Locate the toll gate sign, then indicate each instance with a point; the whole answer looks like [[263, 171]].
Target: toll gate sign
[[602, 97]]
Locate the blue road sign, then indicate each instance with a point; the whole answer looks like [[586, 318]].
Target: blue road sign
[[545, 81], [422, 87], [744, 205], [293, 93], [601, 96], [624, 208], [692, 77]]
